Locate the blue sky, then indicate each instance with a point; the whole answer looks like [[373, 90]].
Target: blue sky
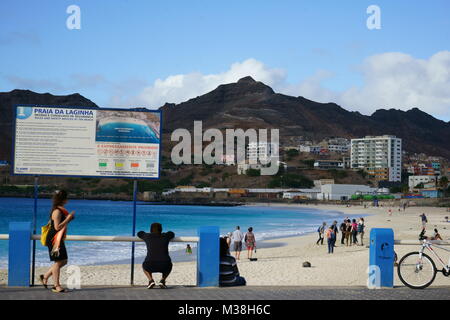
[[123, 47]]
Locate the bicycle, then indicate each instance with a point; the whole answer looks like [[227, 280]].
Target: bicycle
[[417, 270]]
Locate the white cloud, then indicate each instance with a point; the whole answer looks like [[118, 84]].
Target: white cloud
[[311, 88], [182, 87], [390, 80], [397, 80]]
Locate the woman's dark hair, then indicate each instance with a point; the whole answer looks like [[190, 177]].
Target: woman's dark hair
[[354, 220], [250, 229], [156, 228], [58, 200], [224, 249]]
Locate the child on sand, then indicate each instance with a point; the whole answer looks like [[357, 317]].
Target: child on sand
[[188, 249]]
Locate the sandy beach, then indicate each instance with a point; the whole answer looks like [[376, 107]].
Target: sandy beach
[[282, 265]]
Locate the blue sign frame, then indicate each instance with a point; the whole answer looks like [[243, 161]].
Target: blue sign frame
[[137, 109]]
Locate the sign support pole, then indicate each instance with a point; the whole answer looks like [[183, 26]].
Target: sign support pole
[[135, 189], [33, 259]]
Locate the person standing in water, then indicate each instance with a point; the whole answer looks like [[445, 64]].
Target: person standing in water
[[60, 218]]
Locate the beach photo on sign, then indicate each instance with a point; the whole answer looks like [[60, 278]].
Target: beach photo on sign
[[127, 126]]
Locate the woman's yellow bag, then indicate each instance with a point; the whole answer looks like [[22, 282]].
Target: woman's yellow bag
[[44, 233]]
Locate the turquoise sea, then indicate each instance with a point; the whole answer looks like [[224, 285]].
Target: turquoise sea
[[115, 218], [126, 132]]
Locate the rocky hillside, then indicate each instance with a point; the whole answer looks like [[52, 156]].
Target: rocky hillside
[[251, 104]]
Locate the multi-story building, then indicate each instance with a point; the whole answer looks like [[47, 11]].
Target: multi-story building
[[380, 156], [261, 152], [436, 166]]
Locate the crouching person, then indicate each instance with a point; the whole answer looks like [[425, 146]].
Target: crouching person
[[158, 259], [228, 270]]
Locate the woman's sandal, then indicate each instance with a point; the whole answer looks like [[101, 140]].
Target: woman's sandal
[[58, 291], [41, 279]]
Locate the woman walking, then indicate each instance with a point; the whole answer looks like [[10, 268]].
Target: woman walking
[[60, 218], [250, 242]]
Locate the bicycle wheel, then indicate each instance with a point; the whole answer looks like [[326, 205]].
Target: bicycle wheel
[[416, 273]]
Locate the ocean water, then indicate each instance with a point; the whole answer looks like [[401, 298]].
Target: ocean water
[[126, 132], [94, 217]]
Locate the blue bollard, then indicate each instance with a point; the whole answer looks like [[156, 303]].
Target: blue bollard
[[381, 258], [19, 254], [208, 257]]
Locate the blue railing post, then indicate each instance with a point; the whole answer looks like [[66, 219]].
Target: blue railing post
[[19, 254], [208, 257], [381, 258]]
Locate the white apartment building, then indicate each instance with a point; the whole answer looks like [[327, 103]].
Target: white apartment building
[[380, 156], [260, 152]]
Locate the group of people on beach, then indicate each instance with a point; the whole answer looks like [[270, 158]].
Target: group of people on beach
[[349, 229], [237, 237], [157, 259]]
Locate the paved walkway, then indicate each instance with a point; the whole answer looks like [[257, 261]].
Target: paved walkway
[[242, 293]]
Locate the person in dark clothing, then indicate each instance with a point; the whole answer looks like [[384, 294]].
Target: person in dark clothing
[[228, 271], [335, 230], [342, 228], [158, 259], [354, 232]]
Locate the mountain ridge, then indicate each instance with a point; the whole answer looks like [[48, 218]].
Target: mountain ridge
[[252, 104]]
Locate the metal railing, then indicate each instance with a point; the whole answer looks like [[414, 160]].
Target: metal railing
[[106, 238], [186, 239], [419, 242]]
